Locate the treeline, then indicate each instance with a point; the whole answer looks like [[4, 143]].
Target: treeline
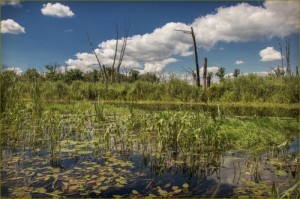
[[243, 88]]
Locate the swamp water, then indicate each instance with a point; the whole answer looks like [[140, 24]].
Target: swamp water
[[80, 156]]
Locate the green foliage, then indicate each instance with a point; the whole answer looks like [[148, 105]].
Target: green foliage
[[74, 85], [73, 75], [32, 75], [221, 74]]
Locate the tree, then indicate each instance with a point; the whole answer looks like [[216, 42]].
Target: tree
[[31, 75], [92, 76], [134, 74], [221, 74], [278, 72], [204, 72], [209, 77], [101, 67], [281, 54], [196, 53], [236, 72], [115, 69], [287, 53], [52, 73], [149, 77], [72, 75]]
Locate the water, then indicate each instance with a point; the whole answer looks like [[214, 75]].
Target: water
[[85, 162]]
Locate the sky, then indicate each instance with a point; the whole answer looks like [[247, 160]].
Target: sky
[[240, 35]]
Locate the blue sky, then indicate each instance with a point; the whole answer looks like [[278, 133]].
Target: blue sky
[[227, 33]]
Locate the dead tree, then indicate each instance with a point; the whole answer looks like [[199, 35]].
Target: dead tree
[[113, 74], [122, 53], [192, 72], [281, 54], [204, 72], [209, 77], [287, 53], [195, 51], [101, 67]]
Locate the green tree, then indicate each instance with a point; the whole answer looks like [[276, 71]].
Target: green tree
[[52, 73], [236, 72], [149, 77], [92, 76], [134, 74], [221, 74], [31, 75], [72, 75]]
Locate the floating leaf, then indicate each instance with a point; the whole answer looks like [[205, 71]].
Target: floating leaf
[[57, 192], [152, 195], [117, 196], [91, 182], [135, 192], [73, 182], [281, 173], [103, 188], [177, 190], [47, 178], [174, 188], [40, 190], [167, 185], [185, 185], [97, 191], [162, 192]]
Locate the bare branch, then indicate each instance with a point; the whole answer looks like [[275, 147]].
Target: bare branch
[[98, 60], [116, 50], [122, 53], [184, 31]]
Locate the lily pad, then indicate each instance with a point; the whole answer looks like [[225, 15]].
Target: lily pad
[[177, 190], [281, 173], [185, 185], [135, 192]]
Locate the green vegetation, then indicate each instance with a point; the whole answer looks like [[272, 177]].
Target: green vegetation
[[56, 142], [74, 85]]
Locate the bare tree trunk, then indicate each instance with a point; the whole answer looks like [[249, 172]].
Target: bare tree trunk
[[113, 72], [196, 57], [122, 53], [287, 51], [204, 72], [102, 67], [281, 54]]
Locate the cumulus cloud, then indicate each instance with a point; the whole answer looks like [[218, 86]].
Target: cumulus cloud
[[239, 62], [11, 27], [57, 10], [269, 54], [244, 22], [239, 23]]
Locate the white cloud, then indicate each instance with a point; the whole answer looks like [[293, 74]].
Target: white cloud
[[17, 70], [242, 22], [11, 2], [269, 54], [158, 66], [12, 27], [239, 62], [57, 10]]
